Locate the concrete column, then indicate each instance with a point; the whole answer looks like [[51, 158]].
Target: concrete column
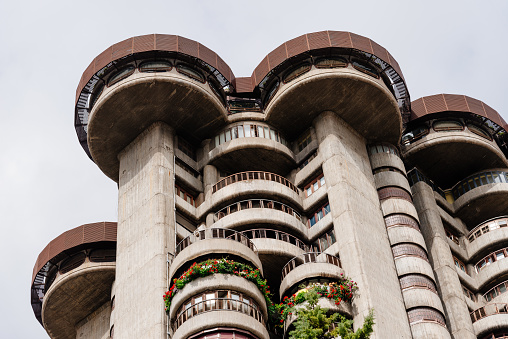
[[359, 227], [209, 179], [146, 233], [449, 287]]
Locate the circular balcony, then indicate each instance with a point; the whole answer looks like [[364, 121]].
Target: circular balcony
[[492, 267], [333, 71], [228, 300], [308, 265], [422, 297], [73, 276], [488, 234], [214, 242], [128, 77], [452, 136], [247, 213], [480, 196], [65, 274], [384, 155], [489, 318], [254, 184], [251, 145]]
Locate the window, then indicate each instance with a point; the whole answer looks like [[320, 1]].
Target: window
[[496, 291], [496, 256], [422, 314], [314, 185], [447, 125], [325, 241], [187, 148], [120, 75], [365, 68], [469, 294], [414, 135], [452, 237], [304, 140], [248, 130], [479, 131], [335, 62], [387, 169], [155, 66], [417, 281], [394, 192], [185, 196], [460, 264], [487, 227], [319, 214], [306, 161], [296, 72], [190, 72]]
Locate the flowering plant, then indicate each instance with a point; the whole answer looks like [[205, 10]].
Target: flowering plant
[[338, 291], [221, 266]]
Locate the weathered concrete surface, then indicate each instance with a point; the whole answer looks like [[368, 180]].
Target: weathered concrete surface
[[440, 256], [146, 233], [359, 226], [309, 270], [96, 325], [74, 296]]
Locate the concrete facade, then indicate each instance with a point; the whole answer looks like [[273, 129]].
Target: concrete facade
[[315, 166]]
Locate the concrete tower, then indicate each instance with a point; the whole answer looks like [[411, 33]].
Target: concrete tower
[[315, 167]]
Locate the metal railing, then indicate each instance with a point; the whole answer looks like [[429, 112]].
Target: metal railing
[[253, 175], [486, 227], [477, 180], [488, 310], [215, 233], [219, 304], [278, 235], [256, 203], [309, 258]]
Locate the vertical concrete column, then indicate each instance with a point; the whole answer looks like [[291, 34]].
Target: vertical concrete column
[[359, 227], [146, 233], [449, 287], [209, 179]]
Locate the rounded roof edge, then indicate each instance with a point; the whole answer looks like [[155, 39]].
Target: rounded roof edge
[[319, 40], [153, 42], [84, 234], [457, 103]]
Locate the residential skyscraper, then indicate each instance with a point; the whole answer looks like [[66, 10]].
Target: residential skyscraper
[[316, 167]]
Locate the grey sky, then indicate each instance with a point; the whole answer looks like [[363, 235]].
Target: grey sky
[[48, 185]]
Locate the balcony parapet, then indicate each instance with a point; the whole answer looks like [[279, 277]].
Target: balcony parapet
[[311, 264], [255, 204], [253, 175], [486, 227], [215, 233], [489, 310]]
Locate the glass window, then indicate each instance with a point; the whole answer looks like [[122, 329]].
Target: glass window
[[155, 66], [240, 131], [267, 133], [260, 131], [247, 131], [120, 75], [447, 125]]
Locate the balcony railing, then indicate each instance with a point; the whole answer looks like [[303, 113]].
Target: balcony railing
[[278, 235], [215, 233], [487, 226], [488, 310], [256, 203], [477, 180], [309, 258], [219, 304], [253, 175]]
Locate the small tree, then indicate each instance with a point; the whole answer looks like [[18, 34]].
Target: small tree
[[314, 323]]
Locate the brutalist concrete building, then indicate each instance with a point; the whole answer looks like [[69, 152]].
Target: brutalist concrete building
[[315, 167]]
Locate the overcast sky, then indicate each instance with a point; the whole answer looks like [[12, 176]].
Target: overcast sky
[[48, 185]]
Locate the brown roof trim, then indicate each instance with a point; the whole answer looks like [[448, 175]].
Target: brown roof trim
[[318, 40], [84, 234], [154, 42], [456, 103]]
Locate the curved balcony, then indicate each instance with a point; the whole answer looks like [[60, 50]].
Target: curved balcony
[[85, 251], [422, 297], [253, 185], [307, 265], [251, 146], [491, 267], [352, 65], [486, 227], [489, 310], [253, 175], [482, 195], [445, 155], [214, 241], [496, 291], [275, 235], [216, 282], [246, 213]]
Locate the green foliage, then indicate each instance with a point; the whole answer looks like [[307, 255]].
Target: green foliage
[[314, 323]]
